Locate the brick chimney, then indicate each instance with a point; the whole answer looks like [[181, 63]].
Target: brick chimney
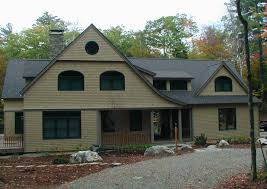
[[56, 42]]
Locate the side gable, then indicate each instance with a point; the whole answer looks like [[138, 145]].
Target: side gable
[[76, 50], [208, 89]]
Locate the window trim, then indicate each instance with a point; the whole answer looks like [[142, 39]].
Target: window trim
[[73, 71], [68, 131], [227, 128], [223, 77], [112, 89]]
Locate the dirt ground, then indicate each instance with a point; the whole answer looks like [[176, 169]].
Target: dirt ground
[[243, 181], [55, 175]]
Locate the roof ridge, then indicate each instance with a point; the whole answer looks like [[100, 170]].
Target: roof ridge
[[162, 58]]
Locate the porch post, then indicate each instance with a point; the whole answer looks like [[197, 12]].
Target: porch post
[[180, 125], [190, 124], [151, 127], [98, 128]]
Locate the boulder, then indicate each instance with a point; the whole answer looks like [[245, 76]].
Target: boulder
[[185, 147], [223, 143], [85, 157], [212, 146], [159, 151]]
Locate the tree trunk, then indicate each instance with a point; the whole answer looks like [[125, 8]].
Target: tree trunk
[[250, 98]]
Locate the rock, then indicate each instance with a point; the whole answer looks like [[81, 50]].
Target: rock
[[159, 151], [115, 164], [223, 143], [85, 157], [185, 147], [212, 146], [262, 141]]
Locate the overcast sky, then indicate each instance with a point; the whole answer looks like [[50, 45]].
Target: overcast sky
[[105, 13]]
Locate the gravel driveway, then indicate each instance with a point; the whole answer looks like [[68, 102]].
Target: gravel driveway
[[201, 169]]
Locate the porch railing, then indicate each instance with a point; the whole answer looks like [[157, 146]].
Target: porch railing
[[125, 138], [11, 142]]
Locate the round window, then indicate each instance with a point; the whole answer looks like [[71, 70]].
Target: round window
[[91, 47]]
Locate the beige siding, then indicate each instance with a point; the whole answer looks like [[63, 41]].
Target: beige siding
[[77, 52], [33, 134], [210, 88], [205, 120], [13, 105], [137, 94], [10, 107], [148, 77]]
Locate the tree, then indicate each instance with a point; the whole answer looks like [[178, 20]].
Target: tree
[[51, 21], [33, 43], [210, 45], [2, 70], [130, 43], [254, 16], [170, 34], [250, 104], [120, 38]]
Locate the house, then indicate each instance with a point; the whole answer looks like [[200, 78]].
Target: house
[[90, 93]]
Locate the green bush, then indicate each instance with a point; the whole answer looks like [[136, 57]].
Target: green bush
[[200, 140], [60, 160], [236, 140]]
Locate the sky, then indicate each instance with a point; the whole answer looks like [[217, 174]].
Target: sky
[[133, 14]]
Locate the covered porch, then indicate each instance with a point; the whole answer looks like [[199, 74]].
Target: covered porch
[[121, 127]]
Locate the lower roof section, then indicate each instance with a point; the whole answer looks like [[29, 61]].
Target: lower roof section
[[188, 98]]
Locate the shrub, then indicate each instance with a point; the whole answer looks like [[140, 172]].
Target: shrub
[[236, 139], [60, 160], [200, 140]]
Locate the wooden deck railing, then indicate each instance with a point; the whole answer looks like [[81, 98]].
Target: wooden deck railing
[[11, 142], [125, 138]]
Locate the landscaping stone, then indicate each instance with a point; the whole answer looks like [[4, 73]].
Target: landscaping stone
[[115, 164], [223, 143], [185, 147], [85, 157], [159, 151], [212, 146]]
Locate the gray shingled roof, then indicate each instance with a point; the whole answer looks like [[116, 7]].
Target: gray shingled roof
[[177, 74], [33, 67], [197, 70], [15, 71], [200, 70], [188, 98]]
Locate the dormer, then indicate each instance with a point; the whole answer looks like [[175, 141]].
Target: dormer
[[172, 80], [223, 83]]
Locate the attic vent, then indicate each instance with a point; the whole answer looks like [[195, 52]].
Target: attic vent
[[91, 47]]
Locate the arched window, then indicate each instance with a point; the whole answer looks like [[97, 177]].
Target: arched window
[[70, 81], [223, 84], [112, 80]]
